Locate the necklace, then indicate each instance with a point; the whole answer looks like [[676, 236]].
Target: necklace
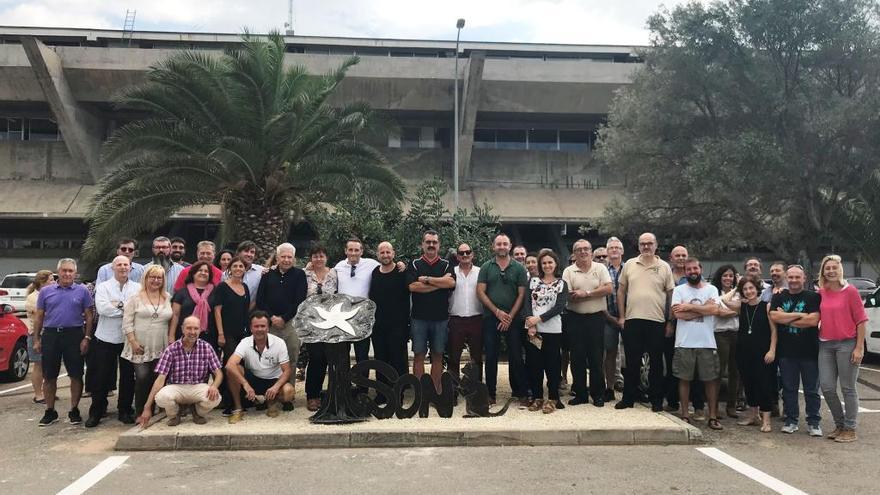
[[155, 306], [751, 319]]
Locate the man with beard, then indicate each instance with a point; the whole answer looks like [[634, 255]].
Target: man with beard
[[501, 287], [677, 258], [162, 257], [178, 251], [389, 290], [430, 280], [777, 279], [694, 306]]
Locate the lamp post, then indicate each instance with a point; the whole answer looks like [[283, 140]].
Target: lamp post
[[459, 24]]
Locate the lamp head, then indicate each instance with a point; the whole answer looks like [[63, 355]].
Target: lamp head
[[459, 24]]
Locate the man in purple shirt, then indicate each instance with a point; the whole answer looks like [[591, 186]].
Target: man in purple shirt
[[183, 370], [59, 334]]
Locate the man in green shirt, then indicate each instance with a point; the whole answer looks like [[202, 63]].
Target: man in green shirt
[[501, 288]]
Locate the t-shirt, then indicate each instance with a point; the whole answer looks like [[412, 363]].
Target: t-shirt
[[840, 312], [234, 313], [698, 333], [502, 286], [266, 364], [434, 305], [646, 288], [593, 278], [390, 293], [793, 342]]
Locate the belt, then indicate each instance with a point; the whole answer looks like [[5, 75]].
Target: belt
[[61, 329], [465, 317]]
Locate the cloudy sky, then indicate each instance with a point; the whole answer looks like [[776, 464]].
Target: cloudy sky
[[540, 21]]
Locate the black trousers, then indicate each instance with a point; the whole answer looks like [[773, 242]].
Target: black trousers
[[315, 371], [586, 340], [104, 362], [759, 380], [362, 350], [389, 346], [546, 361], [144, 376], [698, 390], [640, 337]]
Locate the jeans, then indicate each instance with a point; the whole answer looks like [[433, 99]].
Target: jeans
[[586, 335], [641, 336], [514, 336], [105, 357], [835, 365], [794, 371]]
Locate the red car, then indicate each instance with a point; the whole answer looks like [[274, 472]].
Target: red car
[[14, 360]]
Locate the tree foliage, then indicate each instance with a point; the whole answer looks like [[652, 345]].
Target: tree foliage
[[373, 221], [243, 130], [752, 124]]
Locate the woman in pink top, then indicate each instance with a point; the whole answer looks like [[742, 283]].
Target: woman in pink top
[[841, 346]]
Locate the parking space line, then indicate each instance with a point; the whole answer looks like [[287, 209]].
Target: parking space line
[[97, 473], [751, 472], [20, 387], [869, 369]]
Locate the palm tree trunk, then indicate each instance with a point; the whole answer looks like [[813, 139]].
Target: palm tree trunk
[[262, 221]]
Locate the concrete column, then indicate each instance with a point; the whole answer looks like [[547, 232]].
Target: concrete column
[[471, 94], [82, 130]]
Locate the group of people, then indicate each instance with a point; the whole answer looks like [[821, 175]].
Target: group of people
[[219, 332]]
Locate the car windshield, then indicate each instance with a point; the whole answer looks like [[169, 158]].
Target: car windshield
[[15, 282], [863, 284]]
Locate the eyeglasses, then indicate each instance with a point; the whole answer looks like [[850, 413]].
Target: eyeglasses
[[600, 257], [583, 250], [465, 253], [155, 277], [353, 269], [646, 244], [126, 249]]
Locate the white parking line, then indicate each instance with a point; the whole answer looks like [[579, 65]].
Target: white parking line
[[869, 369], [97, 473], [753, 473], [861, 409], [25, 386]]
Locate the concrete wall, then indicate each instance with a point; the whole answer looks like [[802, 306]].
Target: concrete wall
[[38, 160]]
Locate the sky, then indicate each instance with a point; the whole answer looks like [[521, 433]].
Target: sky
[[606, 22]]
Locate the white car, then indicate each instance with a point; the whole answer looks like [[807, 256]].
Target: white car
[[13, 290], [872, 330]]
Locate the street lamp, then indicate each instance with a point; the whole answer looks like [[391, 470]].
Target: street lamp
[[459, 24]]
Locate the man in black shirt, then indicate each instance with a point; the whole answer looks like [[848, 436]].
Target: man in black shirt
[[795, 311], [430, 279], [388, 289], [281, 291]]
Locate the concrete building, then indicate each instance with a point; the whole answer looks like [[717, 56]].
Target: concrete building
[[528, 117]]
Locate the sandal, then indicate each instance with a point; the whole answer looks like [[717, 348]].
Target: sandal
[[549, 407], [715, 424], [766, 428], [536, 405], [752, 421]]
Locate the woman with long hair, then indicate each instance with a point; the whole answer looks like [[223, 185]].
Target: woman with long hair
[[232, 304], [223, 259], [548, 296], [146, 323], [726, 327], [842, 320], [756, 350], [193, 300], [42, 279]]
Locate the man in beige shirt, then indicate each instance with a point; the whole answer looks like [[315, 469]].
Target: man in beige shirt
[[584, 323], [645, 287]]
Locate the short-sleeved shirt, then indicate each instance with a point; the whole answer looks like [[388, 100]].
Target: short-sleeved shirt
[[698, 333], [234, 309], [434, 305], [64, 306], [793, 342], [391, 294], [357, 282], [502, 286], [840, 312], [266, 364], [187, 368], [646, 288], [591, 279]]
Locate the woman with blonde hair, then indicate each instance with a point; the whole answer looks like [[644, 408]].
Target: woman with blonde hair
[[146, 323], [842, 321], [43, 278]]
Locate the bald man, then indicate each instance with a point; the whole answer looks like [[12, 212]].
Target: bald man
[[388, 289]]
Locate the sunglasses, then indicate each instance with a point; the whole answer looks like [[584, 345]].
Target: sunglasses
[[601, 257], [353, 269], [465, 253], [127, 249]]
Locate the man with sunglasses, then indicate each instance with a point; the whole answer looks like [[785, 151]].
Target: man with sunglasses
[[501, 288], [465, 313], [125, 247]]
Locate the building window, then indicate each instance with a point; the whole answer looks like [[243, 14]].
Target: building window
[[410, 136], [574, 140], [543, 139], [512, 139]]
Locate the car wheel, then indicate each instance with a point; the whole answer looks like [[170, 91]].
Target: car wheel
[[18, 362]]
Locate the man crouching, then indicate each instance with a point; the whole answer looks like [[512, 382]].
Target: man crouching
[[185, 365]]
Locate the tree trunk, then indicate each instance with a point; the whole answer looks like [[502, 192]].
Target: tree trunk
[[257, 219]]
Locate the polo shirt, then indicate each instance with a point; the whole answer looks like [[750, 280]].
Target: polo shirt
[[109, 327], [266, 364], [502, 286], [464, 301], [357, 283], [434, 305], [646, 287], [105, 273], [64, 306], [591, 279]]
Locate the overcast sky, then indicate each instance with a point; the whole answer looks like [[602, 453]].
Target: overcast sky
[[540, 21]]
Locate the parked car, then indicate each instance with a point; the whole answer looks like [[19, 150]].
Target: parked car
[[13, 290], [14, 360], [872, 329], [865, 286]]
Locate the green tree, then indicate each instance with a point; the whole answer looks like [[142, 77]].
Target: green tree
[[241, 130], [752, 124]]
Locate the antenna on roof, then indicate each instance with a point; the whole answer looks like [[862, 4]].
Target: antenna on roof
[[128, 27], [288, 26]]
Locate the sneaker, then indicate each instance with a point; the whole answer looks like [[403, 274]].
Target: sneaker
[[227, 412], [846, 435], [815, 431], [235, 416], [74, 417], [49, 417], [699, 415], [789, 428]]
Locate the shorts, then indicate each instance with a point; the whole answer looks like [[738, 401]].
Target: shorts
[[612, 337], [260, 385], [704, 361], [425, 331], [63, 345], [33, 356]]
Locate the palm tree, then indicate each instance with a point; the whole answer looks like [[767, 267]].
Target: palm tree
[[239, 130]]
